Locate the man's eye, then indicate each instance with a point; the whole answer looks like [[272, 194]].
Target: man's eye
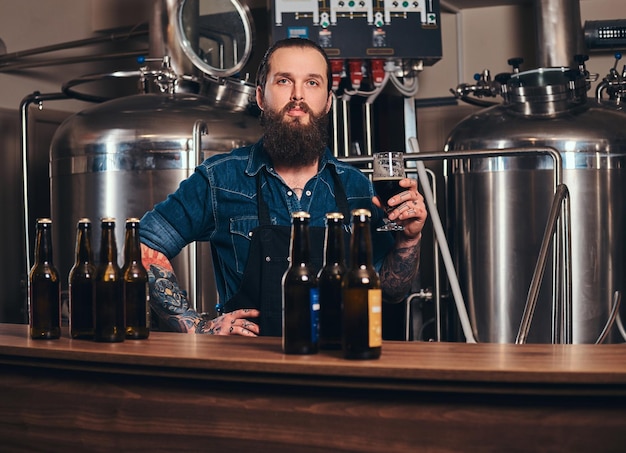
[[313, 83]]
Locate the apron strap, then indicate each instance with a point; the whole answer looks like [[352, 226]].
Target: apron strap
[[340, 197], [264, 210]]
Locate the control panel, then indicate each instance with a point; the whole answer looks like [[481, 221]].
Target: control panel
[[363, 29]]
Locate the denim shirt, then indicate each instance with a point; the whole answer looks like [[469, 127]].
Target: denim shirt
[[218, 203]]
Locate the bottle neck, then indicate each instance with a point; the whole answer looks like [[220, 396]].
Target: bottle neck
[[83, 244], [334, 244], [43, 246], [132, 248], [361, 245], [300, 246], [108, 247]]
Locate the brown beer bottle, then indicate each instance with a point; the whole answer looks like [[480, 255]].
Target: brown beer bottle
[[329, 282], [82, 284], [362, 296], [110, 325], [135, 277], [44, 288], [300, 295]]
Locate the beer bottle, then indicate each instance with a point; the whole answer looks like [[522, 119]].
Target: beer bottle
[[300, 295], [135, 278], [82, 284], [329, 282], [44, 289], [110, 325], [362, 296]]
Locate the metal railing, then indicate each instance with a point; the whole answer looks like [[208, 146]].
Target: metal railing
[[562, 283]]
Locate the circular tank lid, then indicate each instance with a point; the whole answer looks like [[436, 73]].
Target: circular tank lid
[[546, 84], [216, 35]]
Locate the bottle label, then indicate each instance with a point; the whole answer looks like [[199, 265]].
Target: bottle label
[[375, 318], [314, 298]]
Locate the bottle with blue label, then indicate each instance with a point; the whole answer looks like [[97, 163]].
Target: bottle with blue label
[[300, 293]]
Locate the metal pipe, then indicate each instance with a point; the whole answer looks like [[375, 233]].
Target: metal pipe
[[345, 117], [369, 130], [533, 293], [16, 56], [335, 126], [163, 36], [568, 308], [71, 60], [200, 128], [423, 294], [559, 32], [617, 298], [26, 102], [443, 245], [437, 268]]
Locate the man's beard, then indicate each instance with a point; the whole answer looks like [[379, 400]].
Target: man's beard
[[292, 143]]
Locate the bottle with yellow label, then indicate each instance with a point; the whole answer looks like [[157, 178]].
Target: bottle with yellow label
[[362, 296]]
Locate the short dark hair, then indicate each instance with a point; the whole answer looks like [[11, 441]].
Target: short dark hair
[[264, 67]]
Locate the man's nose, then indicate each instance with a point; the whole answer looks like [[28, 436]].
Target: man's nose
[[297, 95]]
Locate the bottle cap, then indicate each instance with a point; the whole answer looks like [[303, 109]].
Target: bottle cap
[[361, 213], [84, 220], [301, 215], [334, 216], [44, 220]]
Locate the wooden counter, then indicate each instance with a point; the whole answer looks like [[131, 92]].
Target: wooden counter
[[176, 392]]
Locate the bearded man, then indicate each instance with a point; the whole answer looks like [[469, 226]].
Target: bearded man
[[242, 202]]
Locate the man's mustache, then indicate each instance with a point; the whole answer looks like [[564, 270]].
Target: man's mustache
[[296, 104]]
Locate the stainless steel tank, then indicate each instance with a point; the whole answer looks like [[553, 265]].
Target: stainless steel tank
[[121, 157], [498, 207]]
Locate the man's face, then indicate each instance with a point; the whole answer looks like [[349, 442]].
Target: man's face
[[295, 107], [296, 75]]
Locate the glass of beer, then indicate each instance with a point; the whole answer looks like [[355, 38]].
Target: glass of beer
[[388, 170]]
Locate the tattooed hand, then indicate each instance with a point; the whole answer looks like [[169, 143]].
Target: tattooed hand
[[409, 211], [171, 305], [233, 323], [401, 264]]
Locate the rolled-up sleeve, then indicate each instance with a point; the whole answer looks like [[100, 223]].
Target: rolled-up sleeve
[[180, 219], [158, 234]]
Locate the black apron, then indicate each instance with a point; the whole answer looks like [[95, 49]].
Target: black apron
[[268, 260]]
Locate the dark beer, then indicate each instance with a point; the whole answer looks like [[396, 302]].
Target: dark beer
[[44, 295], [110, 325], [135, 278], [82, 284], [386, 188], [300, 293], [362, 296], [329, 283]]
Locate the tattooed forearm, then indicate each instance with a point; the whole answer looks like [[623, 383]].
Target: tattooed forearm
[[150, 256], [170, 303], [398, 272]]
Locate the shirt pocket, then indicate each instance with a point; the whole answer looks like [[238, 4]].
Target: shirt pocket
[[241, 237]]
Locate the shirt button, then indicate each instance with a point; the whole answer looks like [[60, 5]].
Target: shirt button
[[289, 192], [308, 193], [268, 259]]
